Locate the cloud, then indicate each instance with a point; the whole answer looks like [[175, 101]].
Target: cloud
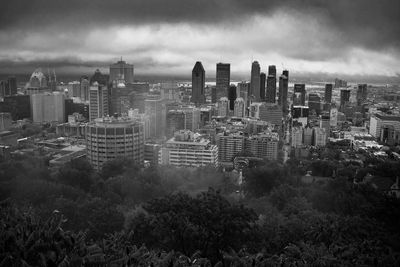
[[358, 36]]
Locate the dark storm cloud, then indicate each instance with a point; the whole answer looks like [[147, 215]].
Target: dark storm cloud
[[369, 23]]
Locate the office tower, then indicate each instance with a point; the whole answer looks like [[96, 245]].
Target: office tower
[[262, 85], [18, 105], [192, 118], [299, 95], [283, 93], [175, 121], [314, 103], [48, 107], [300, 112], [120, 97], [325, 122], [380, 124], [223, 107], [285, 73], [223, 79], [214, 94], [188, 149], [98, 101], [121, 70], [232, 97], [308, 136], [74, 89], [84, 87], [239, 110], [297, 137], [344, 98], [170, 91], [362, 93], [37, 83], [137, 101], [229, 145], [320, 137], [100, 78], [110, 138], [271, 113], [271, 84], [12, 86], [262, 146], [5, 121], [255, 82], [340, 83], [143, 119], [198, 84], [155, 108], [333, 117], [328, 92]]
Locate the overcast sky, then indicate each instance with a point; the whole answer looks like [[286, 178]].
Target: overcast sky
[[354, 37]]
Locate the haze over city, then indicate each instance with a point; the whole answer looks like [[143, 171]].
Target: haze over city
[[352, 38]]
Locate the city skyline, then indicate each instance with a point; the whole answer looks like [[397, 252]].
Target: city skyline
[[308, 37]]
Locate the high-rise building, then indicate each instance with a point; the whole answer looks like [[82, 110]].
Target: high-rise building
[[325, 123], [100, 78], [308, 136], [283, 93], [175, 121], [223, 107], [263, 78], [188, 149], [314, 103], [362, 93], [156, 110], [37, 83], [333, 117], [18, 105], [344, 98], [214, 94], [48, 107], [198, 84], [328, 92], [232, 97], [98, 101], [340, 83], [255, 82], [262, 146], [121, 70], [229, 145], [239, 110], [299, 95], [84, 88], [297, 137], [8, 87], [271, 84], [110, 138], [120, 97], [285, 73], [223, 79], [320, 137], [271, 113]]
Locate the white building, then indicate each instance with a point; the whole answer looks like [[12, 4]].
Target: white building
[[223, 107], [320, 136], [239, 110], [297, 136], [48, 107], [188, 149]]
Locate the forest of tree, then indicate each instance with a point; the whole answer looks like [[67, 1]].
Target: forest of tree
[[165, 216]]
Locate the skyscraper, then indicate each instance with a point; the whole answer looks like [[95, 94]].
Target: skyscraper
[[121, 70], [48, 107], [271, 84], [344, 98], [239, 107], [255, 82], [286, 73], [262, 85], [232, 97], [314, 102], [328, 92], [223, 79], [156, 110], [361, 94], [299, 95], [283, 92], [198, 84], [84, 84], [98, 101]]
